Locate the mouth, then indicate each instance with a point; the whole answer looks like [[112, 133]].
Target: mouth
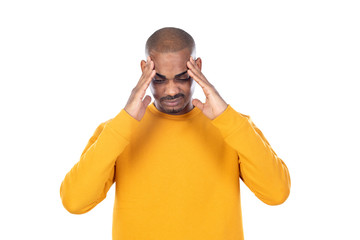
[[173, 102]]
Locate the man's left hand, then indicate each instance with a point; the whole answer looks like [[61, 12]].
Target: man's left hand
[[214, 104]]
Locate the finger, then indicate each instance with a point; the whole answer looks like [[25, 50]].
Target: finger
[[196, 68], [150, 78], [206, 86], [192, 60], [149, 65], [196, 78], [147, 100], [193, 67], [148, 72], [197, 103], [146, 81], [197, 73], [193, 71]]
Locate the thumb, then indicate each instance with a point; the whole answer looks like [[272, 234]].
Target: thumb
[[147, 100], [197, 103]]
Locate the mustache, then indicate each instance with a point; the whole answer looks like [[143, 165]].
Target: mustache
[[172, 97]]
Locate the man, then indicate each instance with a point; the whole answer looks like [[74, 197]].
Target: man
[[176, 162]]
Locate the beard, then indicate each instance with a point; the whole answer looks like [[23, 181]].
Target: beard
[[174, 110]]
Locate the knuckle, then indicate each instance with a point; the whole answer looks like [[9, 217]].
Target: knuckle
[[134, 91]]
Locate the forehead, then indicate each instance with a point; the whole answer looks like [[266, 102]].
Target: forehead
[[170, 63]]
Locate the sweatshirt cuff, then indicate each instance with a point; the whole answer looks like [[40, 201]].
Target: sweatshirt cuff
[[123, 124], [229, 121]]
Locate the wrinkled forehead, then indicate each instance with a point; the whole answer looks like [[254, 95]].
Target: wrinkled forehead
[[170, 63]]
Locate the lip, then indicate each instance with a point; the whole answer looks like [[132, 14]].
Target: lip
[[172, 103]]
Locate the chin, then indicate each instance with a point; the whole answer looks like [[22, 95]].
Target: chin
[[173, 110], [176, 109]]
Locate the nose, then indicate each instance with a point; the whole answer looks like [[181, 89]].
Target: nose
[[171, 88]]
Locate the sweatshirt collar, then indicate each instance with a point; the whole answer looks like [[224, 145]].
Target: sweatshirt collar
[[192, 113]]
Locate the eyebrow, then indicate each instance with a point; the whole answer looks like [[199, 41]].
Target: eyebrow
[[176, 76]]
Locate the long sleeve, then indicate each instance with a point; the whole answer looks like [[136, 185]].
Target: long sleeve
[[89, 180], [261, 169]]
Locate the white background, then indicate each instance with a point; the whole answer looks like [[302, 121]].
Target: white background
[[293, 66]]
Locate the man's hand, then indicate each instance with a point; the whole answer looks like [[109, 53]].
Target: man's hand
[[136, 105], [214, 105]]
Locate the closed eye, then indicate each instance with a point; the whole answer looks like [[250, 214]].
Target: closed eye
[[183, 79], [160, 81], [157, 81]]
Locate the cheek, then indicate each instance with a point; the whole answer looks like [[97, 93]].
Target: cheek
[[155, 90], [152, 88], [187, 88], [191, 87]]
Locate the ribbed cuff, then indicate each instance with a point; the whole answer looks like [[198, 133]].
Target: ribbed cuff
[[123, 124], [229, 121]]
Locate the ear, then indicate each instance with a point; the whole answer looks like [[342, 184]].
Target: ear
[[142, 65], [198, 63]]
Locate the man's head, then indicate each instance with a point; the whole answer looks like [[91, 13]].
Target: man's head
[[172, 88]]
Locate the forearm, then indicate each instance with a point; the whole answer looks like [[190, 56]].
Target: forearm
[[89, 180], [260, 168]]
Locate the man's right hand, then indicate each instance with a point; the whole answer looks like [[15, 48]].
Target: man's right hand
[[137, 104]]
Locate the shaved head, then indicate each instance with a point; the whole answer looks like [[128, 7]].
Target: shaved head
[[169, 39]]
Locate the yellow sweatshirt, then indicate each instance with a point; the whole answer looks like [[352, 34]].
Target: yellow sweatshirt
[[177, 176]]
